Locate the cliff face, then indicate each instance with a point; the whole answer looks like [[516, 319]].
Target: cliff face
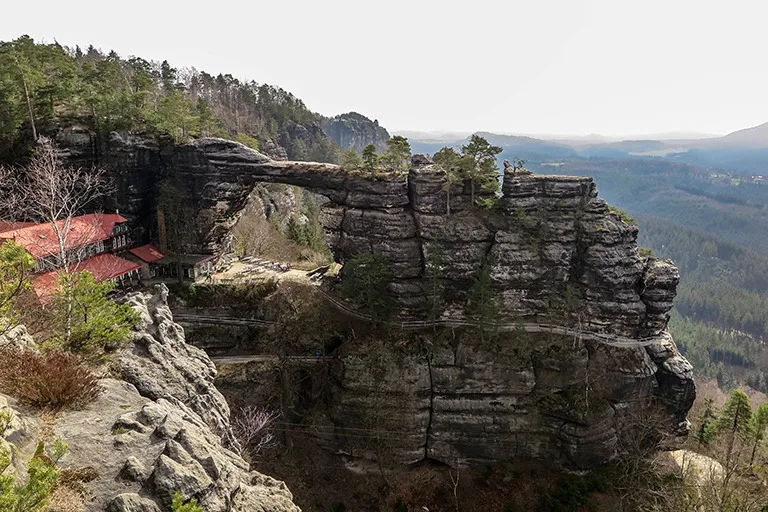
[[463, 398], [547, 237], [592, 340], [353, 130], [585, 344], [161, 428]]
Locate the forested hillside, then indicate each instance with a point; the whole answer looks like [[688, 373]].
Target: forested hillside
[[721, 321], [43, 86]]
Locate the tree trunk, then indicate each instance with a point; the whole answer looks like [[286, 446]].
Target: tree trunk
[[29, 100]]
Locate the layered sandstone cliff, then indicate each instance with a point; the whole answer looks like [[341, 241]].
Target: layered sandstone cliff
[[558, 395]]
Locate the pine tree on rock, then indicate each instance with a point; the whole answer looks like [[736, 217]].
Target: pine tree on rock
[[398, 154], [370, 158], [480, 165]]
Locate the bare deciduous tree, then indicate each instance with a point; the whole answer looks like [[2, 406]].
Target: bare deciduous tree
[[252, 426], [53, 193]]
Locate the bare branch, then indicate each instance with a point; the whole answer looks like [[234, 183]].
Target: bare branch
[[253, 428]]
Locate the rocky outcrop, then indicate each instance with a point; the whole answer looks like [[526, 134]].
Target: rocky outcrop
[[162, 429], [161, 365], [145, 451], [556, 254], [16, 337], [546, 237], [465, 398], [355, 131]]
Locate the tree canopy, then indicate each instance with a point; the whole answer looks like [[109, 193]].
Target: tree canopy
[[45, 84], [398, 155], [480, 165]]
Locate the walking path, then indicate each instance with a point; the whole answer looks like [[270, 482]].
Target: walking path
[[580, 334]]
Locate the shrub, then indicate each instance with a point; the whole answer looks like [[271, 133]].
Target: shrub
[[88, 319], [35, 494], [622, 214], [252, 426], [181, 505], [51, 379]]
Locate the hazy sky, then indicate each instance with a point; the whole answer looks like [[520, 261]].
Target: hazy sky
[[534, 66]]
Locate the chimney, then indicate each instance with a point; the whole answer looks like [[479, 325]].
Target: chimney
[[161, 231]]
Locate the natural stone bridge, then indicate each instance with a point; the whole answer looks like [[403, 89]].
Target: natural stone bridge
[[549, 236], [541, 393]]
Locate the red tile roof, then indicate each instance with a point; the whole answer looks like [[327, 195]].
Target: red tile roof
[[41, 241], [148, 253], [8, 226], [103, 266], [106, 266]]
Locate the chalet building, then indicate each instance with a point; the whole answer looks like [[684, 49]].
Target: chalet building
[[186, 266], [148, 257], [92, 242]]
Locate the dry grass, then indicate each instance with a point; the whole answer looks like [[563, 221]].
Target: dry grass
[[50, 379], [65, 499]]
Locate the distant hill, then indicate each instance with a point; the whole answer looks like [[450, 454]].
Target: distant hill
[[755, 137], [433, 136], [513, 146], [353, 130]]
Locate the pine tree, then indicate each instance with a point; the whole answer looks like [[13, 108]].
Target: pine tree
[[16, 265], [97, 322], [350, 160], [706, 432], [758, 426], [370, 158], [398, 154], [365, 279], [734, 420], [480, 165], [449, 161], [481, 300]]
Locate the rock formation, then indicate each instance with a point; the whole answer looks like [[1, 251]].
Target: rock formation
[[353, 130], [557, 255], [545, 236], [162, 428]]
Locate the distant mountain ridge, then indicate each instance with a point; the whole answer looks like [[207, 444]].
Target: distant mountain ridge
[[355, 131], [757, 136]]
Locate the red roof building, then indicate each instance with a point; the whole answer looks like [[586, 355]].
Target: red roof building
[[87, 238], [42, 240], [104, 266], [147, 253], [9, 226]]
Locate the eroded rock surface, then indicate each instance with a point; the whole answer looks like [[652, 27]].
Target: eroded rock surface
[[557, 254], [164, 429], [545, 237]]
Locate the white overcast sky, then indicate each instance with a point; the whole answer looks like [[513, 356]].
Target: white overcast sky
[[535, 66]]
